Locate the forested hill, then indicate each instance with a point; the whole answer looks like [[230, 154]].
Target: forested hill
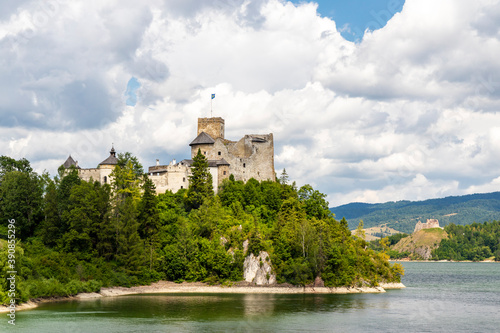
[[403, 215], [64, 235]]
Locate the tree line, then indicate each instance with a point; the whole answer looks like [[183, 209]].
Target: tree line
[[77, 236], [475, 242]]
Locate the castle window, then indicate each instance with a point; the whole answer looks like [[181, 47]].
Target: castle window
[[105, 180], [244, 165], [204, 153], [184, 179], [182, 187], [218, 153], [224, 173]]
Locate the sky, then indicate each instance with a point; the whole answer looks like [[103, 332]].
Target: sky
[[368, 101]]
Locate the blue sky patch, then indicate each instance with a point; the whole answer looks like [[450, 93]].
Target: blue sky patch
[[353, 17], [132, 87]]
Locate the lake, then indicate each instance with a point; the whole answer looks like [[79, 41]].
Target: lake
[[440, 297]]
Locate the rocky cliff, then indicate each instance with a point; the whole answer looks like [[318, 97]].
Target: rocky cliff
[[258, 269]]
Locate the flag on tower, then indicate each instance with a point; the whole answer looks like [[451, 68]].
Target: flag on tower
[[213, 96]]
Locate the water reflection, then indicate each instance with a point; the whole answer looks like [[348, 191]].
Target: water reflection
[[258, 305], [205, 306]]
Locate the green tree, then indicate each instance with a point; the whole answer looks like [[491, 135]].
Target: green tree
[[231, 191], [283, 180], [129, 244], [200, 181], [21, 196], [360, 232], [8, 164], [125, 182], [252, 193], [87, 216], [125, 158], [149, 217], [314, 202], [56, 202], [126, 179], [51, 229]]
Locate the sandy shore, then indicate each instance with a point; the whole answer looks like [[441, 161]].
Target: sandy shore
[[165, 287]]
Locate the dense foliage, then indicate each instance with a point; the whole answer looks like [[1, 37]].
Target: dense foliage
[[78, 236], [474, 242], [403, 215], [385, 244]]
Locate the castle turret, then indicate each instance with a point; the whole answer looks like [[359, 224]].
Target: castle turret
[[111, 161], [70, 162]]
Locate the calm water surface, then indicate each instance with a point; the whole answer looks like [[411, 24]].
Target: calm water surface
[[440, 297]]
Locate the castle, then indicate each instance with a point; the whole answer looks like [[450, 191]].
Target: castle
[[101, 173], [250, 157], [429, 224]]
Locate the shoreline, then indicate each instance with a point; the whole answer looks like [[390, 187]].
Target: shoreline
[[168, 287], [444, 260]]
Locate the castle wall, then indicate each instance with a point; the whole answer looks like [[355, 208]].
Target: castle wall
[[223, 173], [206, 149], [104, 175], [429, 224], [100, 174], [169, 177], [250, 157], [215, 178], [88, 174]]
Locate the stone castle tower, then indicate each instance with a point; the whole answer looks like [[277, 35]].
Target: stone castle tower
[[212, 126]]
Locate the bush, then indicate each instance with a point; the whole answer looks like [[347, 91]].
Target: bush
[[73, 287]]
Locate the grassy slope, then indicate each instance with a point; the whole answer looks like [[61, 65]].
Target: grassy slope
[[403, 215], [421, 242], [374, 233]]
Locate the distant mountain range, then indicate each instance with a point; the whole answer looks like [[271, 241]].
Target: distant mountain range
[[403, 215]]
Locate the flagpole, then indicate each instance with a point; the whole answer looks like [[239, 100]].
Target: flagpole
[[212, 96]]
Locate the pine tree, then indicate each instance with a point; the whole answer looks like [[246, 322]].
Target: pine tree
[[126, 198], [149, 217], [200, 181], [284, 177], [129, 245], [51, 226]]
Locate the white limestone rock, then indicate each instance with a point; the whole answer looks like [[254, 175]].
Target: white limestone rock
[[258, 269]]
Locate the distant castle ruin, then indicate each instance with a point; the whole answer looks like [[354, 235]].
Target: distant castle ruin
[[250, 157], [429, 224]]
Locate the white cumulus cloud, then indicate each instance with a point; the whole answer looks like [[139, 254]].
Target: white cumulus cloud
[[410, 112]]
